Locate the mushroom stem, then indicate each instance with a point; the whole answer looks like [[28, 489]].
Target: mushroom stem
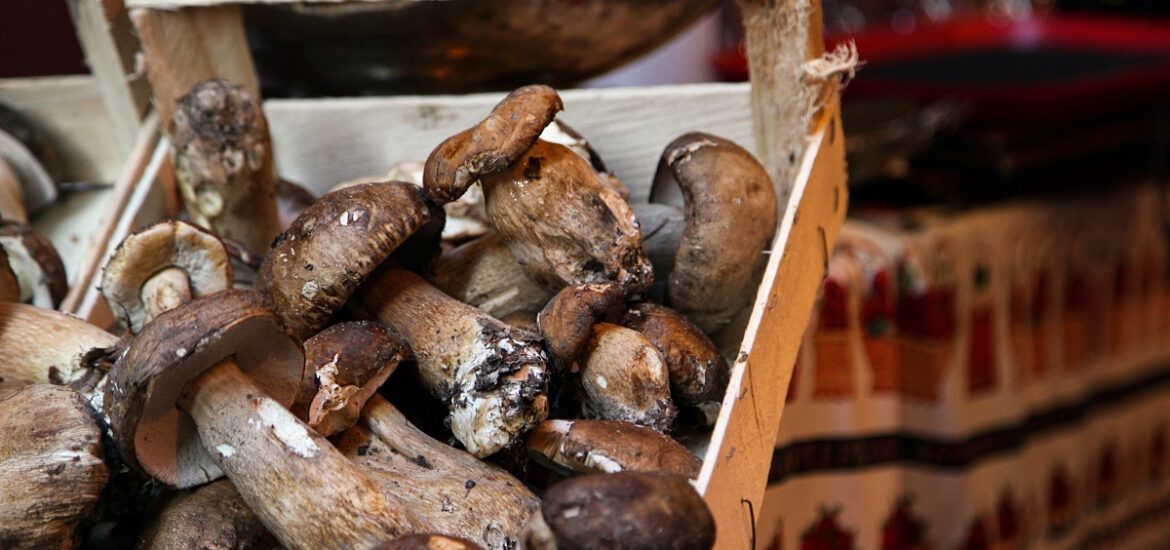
[[43, 345], [491, 376], [11, 196], [165, 290], [484, 274], [286, 472]]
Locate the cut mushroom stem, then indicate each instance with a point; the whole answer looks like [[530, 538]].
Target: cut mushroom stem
[[202, 390], [223, 162], [624, 377], [460, 494], [166, 290], [609, 446], [484, 274], [491, 376], [622, 510], [212, 516]]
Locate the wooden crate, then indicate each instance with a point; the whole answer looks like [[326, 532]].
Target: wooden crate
[[319, 143]]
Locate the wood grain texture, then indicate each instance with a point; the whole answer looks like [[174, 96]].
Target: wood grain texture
[[184, 47], [629, 127], [736, 465]]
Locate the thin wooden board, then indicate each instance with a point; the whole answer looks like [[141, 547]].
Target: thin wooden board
[[71, 112], [735, 469], [321, 143]]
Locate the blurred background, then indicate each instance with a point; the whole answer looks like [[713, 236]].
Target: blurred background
[[989, 364]]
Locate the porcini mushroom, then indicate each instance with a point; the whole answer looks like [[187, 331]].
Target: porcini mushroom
[[491, 376], [291, 200], [201, 392], [47, 346], [622, 510], [731, 218], [348, 362], [483, 273], [430, 542], [9, 286], [567, 319], [317, 263], [492, 145], [562, 224], [609, 446], [223, 162], [698, 373], [624, 377], [37, 266], [460, 494], [213, 516], [52, 470], [161, 267], [25, 185], [560, 133]]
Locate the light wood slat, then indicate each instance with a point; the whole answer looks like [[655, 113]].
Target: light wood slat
[[321, 143]]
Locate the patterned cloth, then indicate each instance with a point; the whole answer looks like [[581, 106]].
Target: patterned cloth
[[993, 378]]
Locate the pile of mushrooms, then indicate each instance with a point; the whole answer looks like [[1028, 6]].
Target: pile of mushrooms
[[387, 381]]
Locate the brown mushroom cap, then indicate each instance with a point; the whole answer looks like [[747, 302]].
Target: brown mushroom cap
[[35, 262], [567, 320], [563, 134], [52, 470], [430, 542], [151, 433], [492, 145], [317, 263], [609, 446], [9, 286], [623, 377], [213, 516], [144, 253], [563, 225], [731, 219], [291, 200], [347, 363], [628, 510], [698, 373]]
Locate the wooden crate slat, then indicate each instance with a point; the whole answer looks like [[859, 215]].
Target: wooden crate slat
[[628, 127]]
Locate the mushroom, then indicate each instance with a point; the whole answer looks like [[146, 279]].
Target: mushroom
[[213, 516], [291, 200], [317, 263], [523, 320], [560, 133], [624, 377], [348, 362], [491, 376], [563, 226], [9, 285], [484, 274], [11, 195], [430, 542], [201, 392], [492, 145], [36, 264], [609, 446], [730, 220], [161, 267], [51, 466], [698, 373], [460, 494], [47, 346], [567, 319], [622, 510], [24, 183], [223, 162]]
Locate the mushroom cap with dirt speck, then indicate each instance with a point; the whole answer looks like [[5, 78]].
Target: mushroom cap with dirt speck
[[623, 377], [730, 209], [345, 364], [213, 517], [628, 510], [492, 145], [36, 263], [567, 319], [142, 254], [53, 466], [564, 226], [609, 446], [320, 260], [698, 373], [150, 431]]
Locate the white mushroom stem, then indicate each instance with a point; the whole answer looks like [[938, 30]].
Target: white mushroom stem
[[306, 492], [165, 290], [624, 377], [11, 196]]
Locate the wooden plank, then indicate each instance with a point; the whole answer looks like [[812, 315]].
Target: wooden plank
[[186, 46], [70, 110], [628, 127], [105, 34], [735, 468]]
